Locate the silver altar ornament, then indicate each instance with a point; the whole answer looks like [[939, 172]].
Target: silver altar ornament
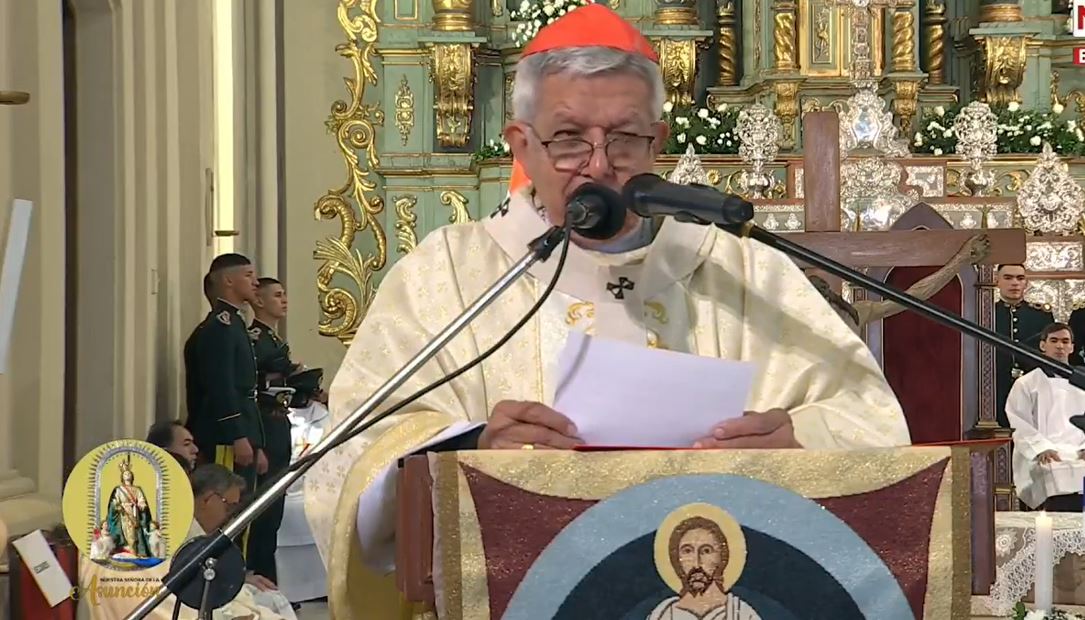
[[1051, 202], [866, 124], [758, 131], [976, 128], [689, 169]]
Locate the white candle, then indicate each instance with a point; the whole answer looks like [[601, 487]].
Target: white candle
[[1045, 562]]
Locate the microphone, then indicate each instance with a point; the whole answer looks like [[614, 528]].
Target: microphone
[[649, 195], [595, 211]]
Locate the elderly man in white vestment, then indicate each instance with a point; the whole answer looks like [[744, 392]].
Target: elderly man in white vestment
[[1048, 450], [587, 102]]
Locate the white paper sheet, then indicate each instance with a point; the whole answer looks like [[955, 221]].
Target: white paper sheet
[[619, 394], [42, 562]]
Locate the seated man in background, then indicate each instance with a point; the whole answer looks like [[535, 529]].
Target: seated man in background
[[217, 493], [173, 437], [1046, 444]]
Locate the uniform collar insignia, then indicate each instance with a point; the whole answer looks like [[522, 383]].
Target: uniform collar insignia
[[254, 333], [223, 317]]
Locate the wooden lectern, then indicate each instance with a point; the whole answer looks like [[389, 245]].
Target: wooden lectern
[[894, 533]]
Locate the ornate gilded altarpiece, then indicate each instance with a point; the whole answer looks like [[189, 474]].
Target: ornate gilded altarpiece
[[870, 534]]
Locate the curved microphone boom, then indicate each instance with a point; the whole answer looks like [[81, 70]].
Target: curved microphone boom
[[649, 195], [595, 211]]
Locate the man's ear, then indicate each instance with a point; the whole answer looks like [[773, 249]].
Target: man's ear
[[516, 138], [661, 131], [258, 301]]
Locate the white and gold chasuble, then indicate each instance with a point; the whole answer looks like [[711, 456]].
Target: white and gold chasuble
[[694, 289]]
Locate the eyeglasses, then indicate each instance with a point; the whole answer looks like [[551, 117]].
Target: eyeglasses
[[623, 150]]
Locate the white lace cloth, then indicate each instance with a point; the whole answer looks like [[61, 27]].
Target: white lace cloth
[[1015, 553]]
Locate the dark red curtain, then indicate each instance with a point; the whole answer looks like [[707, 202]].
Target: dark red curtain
[[922, 361]]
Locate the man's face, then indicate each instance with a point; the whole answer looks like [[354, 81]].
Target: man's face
[[242, 280], [184, 445], [1012, 282], [213, 509], [571, 115], [700, 557], [1058, 345], [271, 299]]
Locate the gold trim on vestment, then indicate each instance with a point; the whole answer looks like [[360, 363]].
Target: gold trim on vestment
[[355, 591]]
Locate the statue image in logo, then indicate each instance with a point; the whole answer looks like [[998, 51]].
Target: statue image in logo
[[700, 552], [130, 530], [128, 505]]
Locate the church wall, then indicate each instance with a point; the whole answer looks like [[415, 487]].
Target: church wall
[[32, 167], [312, 79]]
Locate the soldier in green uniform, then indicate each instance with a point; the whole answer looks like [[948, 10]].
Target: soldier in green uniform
[[221, 375], [1020, 321], [275, 369]]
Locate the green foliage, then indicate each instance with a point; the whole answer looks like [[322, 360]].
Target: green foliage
[[710, 131], [1019, 131]]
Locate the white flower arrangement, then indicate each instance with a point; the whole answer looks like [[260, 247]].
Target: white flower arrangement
[[492, 149], [532, 16], [711, 131], [1018, 131]]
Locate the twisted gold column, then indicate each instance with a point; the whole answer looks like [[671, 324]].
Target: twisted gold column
[[784, 35], [453, 16], [728, 53], [934, 35], [904, 38]]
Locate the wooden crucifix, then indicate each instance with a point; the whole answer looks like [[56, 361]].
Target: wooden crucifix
[[920, 359]]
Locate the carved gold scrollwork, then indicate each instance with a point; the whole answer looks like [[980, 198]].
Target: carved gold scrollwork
[[405, 223], [934, 21], [452, 71], [678, 63], [458, 203], [822, 37], [353, 126], [905, 103], [1005, 182], [786, 108], [1005, 68], [728, 53], [404, 110], [509, 78]]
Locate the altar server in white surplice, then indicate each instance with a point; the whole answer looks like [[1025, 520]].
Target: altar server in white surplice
[[1047, 448], [588, 102]]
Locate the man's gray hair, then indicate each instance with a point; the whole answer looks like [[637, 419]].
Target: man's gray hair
[[214, 478], [581, 62]]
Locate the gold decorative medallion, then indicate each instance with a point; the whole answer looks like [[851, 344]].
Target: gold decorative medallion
[[404, 110]]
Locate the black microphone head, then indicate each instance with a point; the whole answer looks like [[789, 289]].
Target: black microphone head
[[635, 190], [606, 206]]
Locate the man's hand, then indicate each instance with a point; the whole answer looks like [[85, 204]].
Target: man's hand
[[243, 455], [260, 582], [771, 429], [514, 424], [1047, 456], [261, 462]]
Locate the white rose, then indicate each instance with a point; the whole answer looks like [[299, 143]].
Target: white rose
[[703, 113], [505, 146], [562, 12], [701, 140], [1036, 614], [937, 151], [947, 133], [918, 140], [939, 110], [721, 108], [1014, 106], [559, 3], [549, 10], [668, 106], [681, 138], [681, 120], [1080, 136], [1057, 108], [1034, 140], [538, 23], [525, 6], [728, 143], [713, 122]]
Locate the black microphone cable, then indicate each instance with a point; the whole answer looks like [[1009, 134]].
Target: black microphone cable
[[364, 426]]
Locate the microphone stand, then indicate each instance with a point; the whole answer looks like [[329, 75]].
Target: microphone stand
[[205, 552], [746, 228]]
